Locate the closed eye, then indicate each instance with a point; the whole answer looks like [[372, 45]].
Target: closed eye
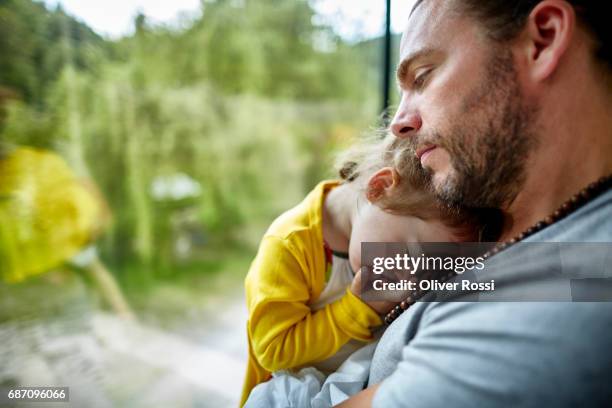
[[419, 80]]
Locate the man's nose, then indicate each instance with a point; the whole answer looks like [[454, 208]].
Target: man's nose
[[406, 122]]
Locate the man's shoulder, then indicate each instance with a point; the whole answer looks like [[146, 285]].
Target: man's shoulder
[[590, 223], [493, 353], [517, 347]]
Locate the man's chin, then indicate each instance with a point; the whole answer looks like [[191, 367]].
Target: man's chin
[[444, 186], [439, 179]]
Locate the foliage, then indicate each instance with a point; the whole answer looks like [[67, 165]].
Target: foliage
[[34, 47], [249, 100]]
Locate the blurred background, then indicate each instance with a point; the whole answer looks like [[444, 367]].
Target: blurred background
[[145, 146]]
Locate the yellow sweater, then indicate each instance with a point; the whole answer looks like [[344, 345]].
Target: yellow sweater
[[287, 275]]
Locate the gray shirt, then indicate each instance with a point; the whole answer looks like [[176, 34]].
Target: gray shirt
[[510, 353]]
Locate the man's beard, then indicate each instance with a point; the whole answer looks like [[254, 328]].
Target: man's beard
[[489, 148]]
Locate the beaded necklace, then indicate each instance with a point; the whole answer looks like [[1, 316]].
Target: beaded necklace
[[575, 202]]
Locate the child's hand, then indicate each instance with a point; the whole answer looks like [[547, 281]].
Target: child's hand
[[380, 306]]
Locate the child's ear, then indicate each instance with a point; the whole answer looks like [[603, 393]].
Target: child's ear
[[381, 184]]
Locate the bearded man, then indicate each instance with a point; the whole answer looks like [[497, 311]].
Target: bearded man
[[507, 104]]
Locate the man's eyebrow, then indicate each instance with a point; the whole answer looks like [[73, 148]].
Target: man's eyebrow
[[404, 66]]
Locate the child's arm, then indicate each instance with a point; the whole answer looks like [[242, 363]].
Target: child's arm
[[284, 332]]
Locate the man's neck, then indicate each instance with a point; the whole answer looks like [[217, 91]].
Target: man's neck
[[568, 161]]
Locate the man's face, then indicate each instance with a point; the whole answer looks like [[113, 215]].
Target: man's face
[[462, 108]]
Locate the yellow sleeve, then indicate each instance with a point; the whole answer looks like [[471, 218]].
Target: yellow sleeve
[[284, 332]]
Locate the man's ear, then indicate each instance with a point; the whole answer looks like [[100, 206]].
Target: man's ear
[[381, 184], [550, 27]]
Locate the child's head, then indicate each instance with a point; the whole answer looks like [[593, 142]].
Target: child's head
[[388, 173]]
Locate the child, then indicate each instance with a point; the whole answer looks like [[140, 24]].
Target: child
[[301, 288]]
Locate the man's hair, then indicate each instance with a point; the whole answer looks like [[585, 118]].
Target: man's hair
[[504, 19]]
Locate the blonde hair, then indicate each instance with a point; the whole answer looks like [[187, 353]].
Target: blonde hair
[[357, 164], [414, 195]]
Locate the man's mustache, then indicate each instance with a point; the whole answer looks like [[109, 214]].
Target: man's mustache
[[415, 142]]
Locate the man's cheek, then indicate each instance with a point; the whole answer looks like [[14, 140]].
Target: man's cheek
[[440, 100]]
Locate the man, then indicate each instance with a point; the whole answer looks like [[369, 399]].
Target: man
[[507, 104]]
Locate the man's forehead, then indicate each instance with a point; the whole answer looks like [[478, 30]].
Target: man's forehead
[[415, 4], [427, 17]]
